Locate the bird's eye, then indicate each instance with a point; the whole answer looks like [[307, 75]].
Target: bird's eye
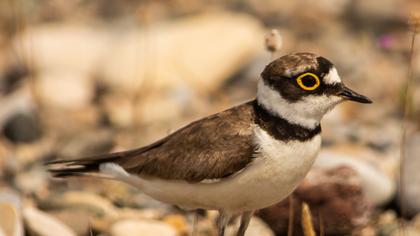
[[308, 81]]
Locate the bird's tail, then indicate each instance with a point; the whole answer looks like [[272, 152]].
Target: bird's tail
[[89, 166]]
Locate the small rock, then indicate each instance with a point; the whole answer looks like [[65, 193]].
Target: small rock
[[256, 227], [178, 222], [135, 227], [22, 128], [88, 143], [387, 223], [66, 90], [27, 154], [43, 224], [34, 181], [378, 186], [10, 220], [88, 201], [64, 47], [184, 50], [335, 194], [77, 220]]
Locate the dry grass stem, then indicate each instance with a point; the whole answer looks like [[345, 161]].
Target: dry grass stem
[[307, 226], [414, 25], [321, 225], [291, 216]]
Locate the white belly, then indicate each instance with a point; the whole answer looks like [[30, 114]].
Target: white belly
[[271, 177]]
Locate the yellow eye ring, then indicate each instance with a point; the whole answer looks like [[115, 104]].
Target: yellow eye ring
[[303, 86]]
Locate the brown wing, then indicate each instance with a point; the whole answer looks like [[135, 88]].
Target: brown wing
[[213, 147]]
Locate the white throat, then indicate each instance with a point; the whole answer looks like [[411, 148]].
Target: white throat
[[306, 112]]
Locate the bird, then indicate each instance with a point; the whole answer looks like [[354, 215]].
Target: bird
[[237, 161]]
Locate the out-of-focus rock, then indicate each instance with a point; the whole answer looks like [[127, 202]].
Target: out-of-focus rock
[[43, 224], [34, 152], [64, 47], [10, 221], [135, 227], [120, 109], [86, 144], [77, 220], [335, 194], [22, 128], [159, 109], [387, 223], [378, 185], [182, 53], [384, 10], [10, 216], [19, 102], [34, 181], [411, 175], [256, 227], [90, 202], [178, 222], [63, 89]]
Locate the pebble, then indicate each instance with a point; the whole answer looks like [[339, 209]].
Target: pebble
[[334, 193], [88, 201], [179, 222], [135, 227], [73, 90], [256, 227], [22, 128], [194, 43], [43, 224], [76, 219], [10, 220], [34, 181], [88, 143], [378, 187]]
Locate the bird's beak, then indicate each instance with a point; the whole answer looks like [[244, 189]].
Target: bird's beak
[[349, 94]]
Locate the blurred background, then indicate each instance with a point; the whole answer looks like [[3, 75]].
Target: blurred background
[[82, 77]]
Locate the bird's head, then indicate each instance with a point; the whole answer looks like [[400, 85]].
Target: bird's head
[[302, 87]]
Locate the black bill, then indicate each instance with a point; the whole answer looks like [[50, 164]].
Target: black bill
[[349, 94]]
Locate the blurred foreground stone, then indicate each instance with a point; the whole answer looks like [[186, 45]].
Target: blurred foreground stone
[[378, 179], [137, 227], [43, 224], [11, 223], [256, 227], [334, 194]]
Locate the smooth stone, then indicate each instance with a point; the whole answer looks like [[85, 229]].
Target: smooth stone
[[33, 153], [43, 224], [22, 128], [76, 219], [87, 144], [10, 213], [378, 187], [256, 227], [68, 47], [34, 181], [10, 220], [182, 53], [135, 227], [178, 222], [333, 193], [65, 89], [88, 201]]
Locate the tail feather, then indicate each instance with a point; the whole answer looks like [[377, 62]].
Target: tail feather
[[79, 167]]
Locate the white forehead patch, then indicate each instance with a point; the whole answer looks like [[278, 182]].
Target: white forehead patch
[[332, 77]]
